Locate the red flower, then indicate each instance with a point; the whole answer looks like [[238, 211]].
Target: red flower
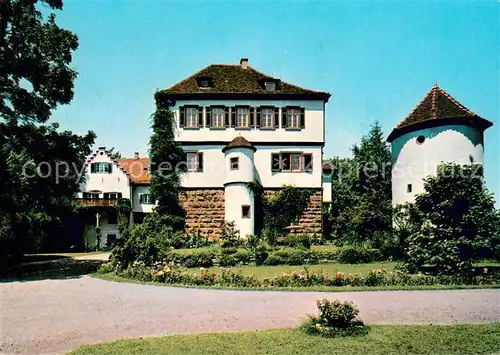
[[213, 274], [485, 270], [338, 275]]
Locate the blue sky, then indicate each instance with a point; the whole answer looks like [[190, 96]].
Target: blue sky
[[377, 59]]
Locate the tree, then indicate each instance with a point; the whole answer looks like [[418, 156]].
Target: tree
[[453, 219], [361, 207], [114, 155], [39, 166], [168, 163]]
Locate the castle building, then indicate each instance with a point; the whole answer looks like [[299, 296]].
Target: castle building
[[438, 130], [238, 126]]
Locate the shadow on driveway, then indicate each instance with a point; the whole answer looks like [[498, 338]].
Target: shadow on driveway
[[58, 268]]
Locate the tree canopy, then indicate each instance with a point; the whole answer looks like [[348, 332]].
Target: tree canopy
[[453, 220], [361, 200], [40, 167]]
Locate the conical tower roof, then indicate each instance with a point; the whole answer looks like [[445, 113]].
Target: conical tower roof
[[438, 108]]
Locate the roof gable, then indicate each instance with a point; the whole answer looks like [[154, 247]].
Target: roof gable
[[437, 104], [239, 142], [234, 79], [438, 108]]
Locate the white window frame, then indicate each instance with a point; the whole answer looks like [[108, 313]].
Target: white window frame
[[145, 199], [235, 160], [191, 117], [298, 158], [266, 117], [194, 161], [293, 117], [217, 114], [242, 117]]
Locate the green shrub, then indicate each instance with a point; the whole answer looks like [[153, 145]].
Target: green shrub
[[261, 253], [357, 255], [337, 318], [297, 240], [291, 256], [230, 236], [195, 258], [232, 259]]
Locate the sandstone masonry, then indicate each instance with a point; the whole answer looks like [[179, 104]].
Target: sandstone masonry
[[205, 212]]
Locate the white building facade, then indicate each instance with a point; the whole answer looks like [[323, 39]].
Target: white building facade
[[106, 180], [240, 126], [438, 130]]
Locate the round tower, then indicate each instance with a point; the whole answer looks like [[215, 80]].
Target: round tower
[[238, 172], [438, 130]]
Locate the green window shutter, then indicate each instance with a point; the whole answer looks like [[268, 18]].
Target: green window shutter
[[275, 162], [233, 116], [110, 168], [302, 117], [200, 116], [119, 195], [307, 162], [226, 116], [106, 195], [283, 117], [182, 116], [92, 167], [208, 116], [251, 116], [277, 117], [257, 116], [200, 161]]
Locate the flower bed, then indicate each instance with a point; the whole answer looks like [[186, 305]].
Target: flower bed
[[169, 274]]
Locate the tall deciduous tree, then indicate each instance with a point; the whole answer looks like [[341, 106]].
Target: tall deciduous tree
[[168, 163], [453, 219], [361, 207], [35, 78]]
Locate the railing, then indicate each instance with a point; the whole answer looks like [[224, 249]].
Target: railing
[[94, 202]]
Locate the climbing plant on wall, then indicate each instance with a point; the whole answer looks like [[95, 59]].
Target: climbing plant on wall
[[277, 211], [123, 209]]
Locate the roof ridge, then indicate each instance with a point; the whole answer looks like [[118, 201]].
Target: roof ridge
[[189, 77], [433, 103], [416, 107], [285, 82], [452, 99]]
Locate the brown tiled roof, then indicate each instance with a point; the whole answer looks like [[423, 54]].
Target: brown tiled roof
[[437, 108], [137, 169], [233, 79], [239, 142]]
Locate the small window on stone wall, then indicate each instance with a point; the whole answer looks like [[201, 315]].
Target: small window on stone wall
[[420, 139], [245, 211], [408, 188]]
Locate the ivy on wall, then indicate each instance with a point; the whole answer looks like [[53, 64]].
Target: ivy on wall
[[276, 212], [123, 209]]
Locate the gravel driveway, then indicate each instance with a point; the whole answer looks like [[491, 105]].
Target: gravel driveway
[[53, 316]]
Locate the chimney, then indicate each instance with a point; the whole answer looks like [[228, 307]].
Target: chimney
[[136, 155], [244, 63]]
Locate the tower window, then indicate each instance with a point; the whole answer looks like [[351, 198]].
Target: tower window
[[234, 163], [408, 188], [245, 211], [420, 139]]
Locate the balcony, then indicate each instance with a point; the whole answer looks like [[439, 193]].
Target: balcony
[[95, 202]]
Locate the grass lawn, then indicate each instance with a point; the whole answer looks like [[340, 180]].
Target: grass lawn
[[417, 339], [263, 272]]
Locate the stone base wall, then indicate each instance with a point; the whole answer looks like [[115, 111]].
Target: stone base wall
[[204, 211], [311, 221]]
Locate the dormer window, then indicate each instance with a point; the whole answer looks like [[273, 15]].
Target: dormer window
[[204, 82], [270, 85]]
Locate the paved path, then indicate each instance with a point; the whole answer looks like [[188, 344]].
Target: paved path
[[53, 316]]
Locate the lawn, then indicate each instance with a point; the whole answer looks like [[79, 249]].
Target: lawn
[[263, 272], [416, 339]]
